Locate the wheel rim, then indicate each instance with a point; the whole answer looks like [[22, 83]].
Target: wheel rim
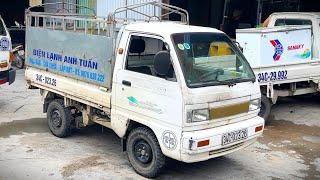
[[56, 119], [142, 152]]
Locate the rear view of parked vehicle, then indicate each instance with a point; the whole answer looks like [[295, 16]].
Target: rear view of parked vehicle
[[7, 74], [285, 56]]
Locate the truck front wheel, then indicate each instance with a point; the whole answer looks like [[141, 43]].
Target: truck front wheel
[[144, 152], [59, 118], [265, 109]]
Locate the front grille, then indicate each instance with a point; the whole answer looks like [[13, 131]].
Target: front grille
[[229, 110]]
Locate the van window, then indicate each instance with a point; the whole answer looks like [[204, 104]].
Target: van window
[[283, 22], [141, 55], [2, 29]]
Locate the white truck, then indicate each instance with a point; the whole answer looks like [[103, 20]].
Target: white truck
[[153, 83], [7, 74], [285, 56]]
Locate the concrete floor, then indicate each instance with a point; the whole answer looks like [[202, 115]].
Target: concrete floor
[[289, 148]]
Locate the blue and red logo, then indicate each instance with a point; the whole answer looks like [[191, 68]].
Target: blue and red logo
[[278, 48]]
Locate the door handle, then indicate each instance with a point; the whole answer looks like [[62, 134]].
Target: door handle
[[126, 83]]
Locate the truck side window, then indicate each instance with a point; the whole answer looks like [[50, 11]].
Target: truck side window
[[141, 54], [283, 22]]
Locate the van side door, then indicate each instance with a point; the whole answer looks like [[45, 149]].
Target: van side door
[[141, 94]]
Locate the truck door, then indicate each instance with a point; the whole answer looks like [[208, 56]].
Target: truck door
[[141, 94]]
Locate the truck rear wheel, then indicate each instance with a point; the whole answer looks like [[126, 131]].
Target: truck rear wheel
[[59, 118], [144, 152], [265, 109]]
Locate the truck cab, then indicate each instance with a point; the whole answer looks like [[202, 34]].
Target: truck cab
[[7, 74], [191, 84], [300, 18]]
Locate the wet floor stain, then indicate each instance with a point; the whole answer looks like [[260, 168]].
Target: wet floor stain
[[291, 138], [38, 125], [312, 139], [83, 163]]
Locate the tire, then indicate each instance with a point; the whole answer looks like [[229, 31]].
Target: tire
[[265, 109], [144, 152], [59, 118]]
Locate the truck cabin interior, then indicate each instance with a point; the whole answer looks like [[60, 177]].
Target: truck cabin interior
[[142, 51]]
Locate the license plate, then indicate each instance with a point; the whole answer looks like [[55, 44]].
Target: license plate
[[234, 136]]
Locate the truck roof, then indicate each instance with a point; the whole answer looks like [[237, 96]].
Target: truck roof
[[167, 28], [297, 14], [273, 29]]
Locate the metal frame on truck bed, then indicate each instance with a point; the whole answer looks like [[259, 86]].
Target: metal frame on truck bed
[[107, 26]]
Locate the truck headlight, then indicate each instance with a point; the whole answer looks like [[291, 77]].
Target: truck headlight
[[254, 104], [198, 115]]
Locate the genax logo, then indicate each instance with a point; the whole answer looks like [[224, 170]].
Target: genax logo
[[278, 48]]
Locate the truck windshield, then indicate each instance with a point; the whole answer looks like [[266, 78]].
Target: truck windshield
[[209, 59], [2, 29]]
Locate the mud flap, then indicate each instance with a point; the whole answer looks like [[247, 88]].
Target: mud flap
[[11, 76]]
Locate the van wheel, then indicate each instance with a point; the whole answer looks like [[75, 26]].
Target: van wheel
[[144, 152], [59, 118], [265, 109]]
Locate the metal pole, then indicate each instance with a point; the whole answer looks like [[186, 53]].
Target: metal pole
[[63, 6], [259, 12], [225, 11], [127, 9]]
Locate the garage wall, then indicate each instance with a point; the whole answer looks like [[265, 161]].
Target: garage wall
[[13, 10]]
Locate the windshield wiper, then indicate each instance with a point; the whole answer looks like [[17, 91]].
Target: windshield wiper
[[232, 82], [229, 82]]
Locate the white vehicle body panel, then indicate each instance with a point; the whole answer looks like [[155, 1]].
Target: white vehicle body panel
[[215, 135], [77, 90], [314, 17], [7, 73], [5, 47], [261, 53], [259, 45], [292, 71]]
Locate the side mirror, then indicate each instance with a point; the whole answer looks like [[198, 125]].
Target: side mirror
[[162, 63]]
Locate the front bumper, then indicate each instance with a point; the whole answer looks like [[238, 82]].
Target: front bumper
[[190, 154], [8, 76]]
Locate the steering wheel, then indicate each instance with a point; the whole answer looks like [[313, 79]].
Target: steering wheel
[[217, 72]]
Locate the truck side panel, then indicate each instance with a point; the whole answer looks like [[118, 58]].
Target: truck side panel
[[80, 91], [77, 55]]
